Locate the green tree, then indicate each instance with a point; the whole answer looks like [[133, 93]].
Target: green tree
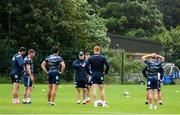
[[141, 18], [40, 24]]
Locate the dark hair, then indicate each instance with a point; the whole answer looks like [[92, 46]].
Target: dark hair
[[31, 51], [22, 49], [55, 49]]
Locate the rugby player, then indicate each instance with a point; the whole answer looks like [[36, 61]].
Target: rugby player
[[95, 68], [16, 71], [28, 76], [153, 69], [87, 56], [81, 79], [56, 69]]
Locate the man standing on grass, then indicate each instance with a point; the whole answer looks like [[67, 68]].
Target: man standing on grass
[[56, 69], [87, 56], [28, 76], [159, 84], [80, 77], [16, 71], [153, 69], [95, 68]]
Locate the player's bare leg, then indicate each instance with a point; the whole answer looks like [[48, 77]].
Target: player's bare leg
[[159, 97], [53, 94], [147, 100], [15, 93], [150, 97], [78, 95], [102, 93], [49, 92], [155, 98], [88, 93], [28, 95], [25, 98], [84, 95], [94, 89]]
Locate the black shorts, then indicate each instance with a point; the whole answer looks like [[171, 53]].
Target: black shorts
[[16, 78], [27, 81], [152, 83], [53, 78], [97, 78], [81, 83], [89, 80]]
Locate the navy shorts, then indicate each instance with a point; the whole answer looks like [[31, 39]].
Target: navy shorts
[[97, 78], [81, 83], [53, 78], [152, 83], [89, 80], [27, 81], [16, 78]]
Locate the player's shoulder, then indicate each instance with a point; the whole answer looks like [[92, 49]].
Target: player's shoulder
[[17, 55], [27, 60]]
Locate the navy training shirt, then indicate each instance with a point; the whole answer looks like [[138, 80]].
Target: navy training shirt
[[153, 68], [27, 61], [53, 61], [80, 70], [95, 64], [17, 64]]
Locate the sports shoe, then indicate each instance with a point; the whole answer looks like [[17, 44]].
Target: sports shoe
[[29, 102], [84, 102], [155, 107], [160, 102], [95, 104], [78, 101]]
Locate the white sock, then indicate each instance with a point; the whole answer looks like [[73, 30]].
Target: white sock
[[150, 106], [95, 104], [155, 106]]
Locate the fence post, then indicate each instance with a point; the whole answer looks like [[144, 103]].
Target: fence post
[[122, 67]]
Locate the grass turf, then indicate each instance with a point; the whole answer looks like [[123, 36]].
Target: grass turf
[[65, 100]]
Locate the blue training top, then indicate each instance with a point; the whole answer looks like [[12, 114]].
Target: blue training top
[[17, 64], [95, 64], [153, 68], [54, 61], [27, 61]]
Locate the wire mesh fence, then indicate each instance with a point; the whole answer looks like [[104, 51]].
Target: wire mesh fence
[[124, 67]]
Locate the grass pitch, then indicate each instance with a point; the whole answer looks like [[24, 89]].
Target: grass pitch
[[66, 103]]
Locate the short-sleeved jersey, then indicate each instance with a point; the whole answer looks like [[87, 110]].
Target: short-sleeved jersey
[[80, 70], [53, 61], [17, 64], [96, 64], [153, 67], [27, 61]]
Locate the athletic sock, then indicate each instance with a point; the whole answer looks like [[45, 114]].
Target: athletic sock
[[155, 106], [95, 104], [150, 106]]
